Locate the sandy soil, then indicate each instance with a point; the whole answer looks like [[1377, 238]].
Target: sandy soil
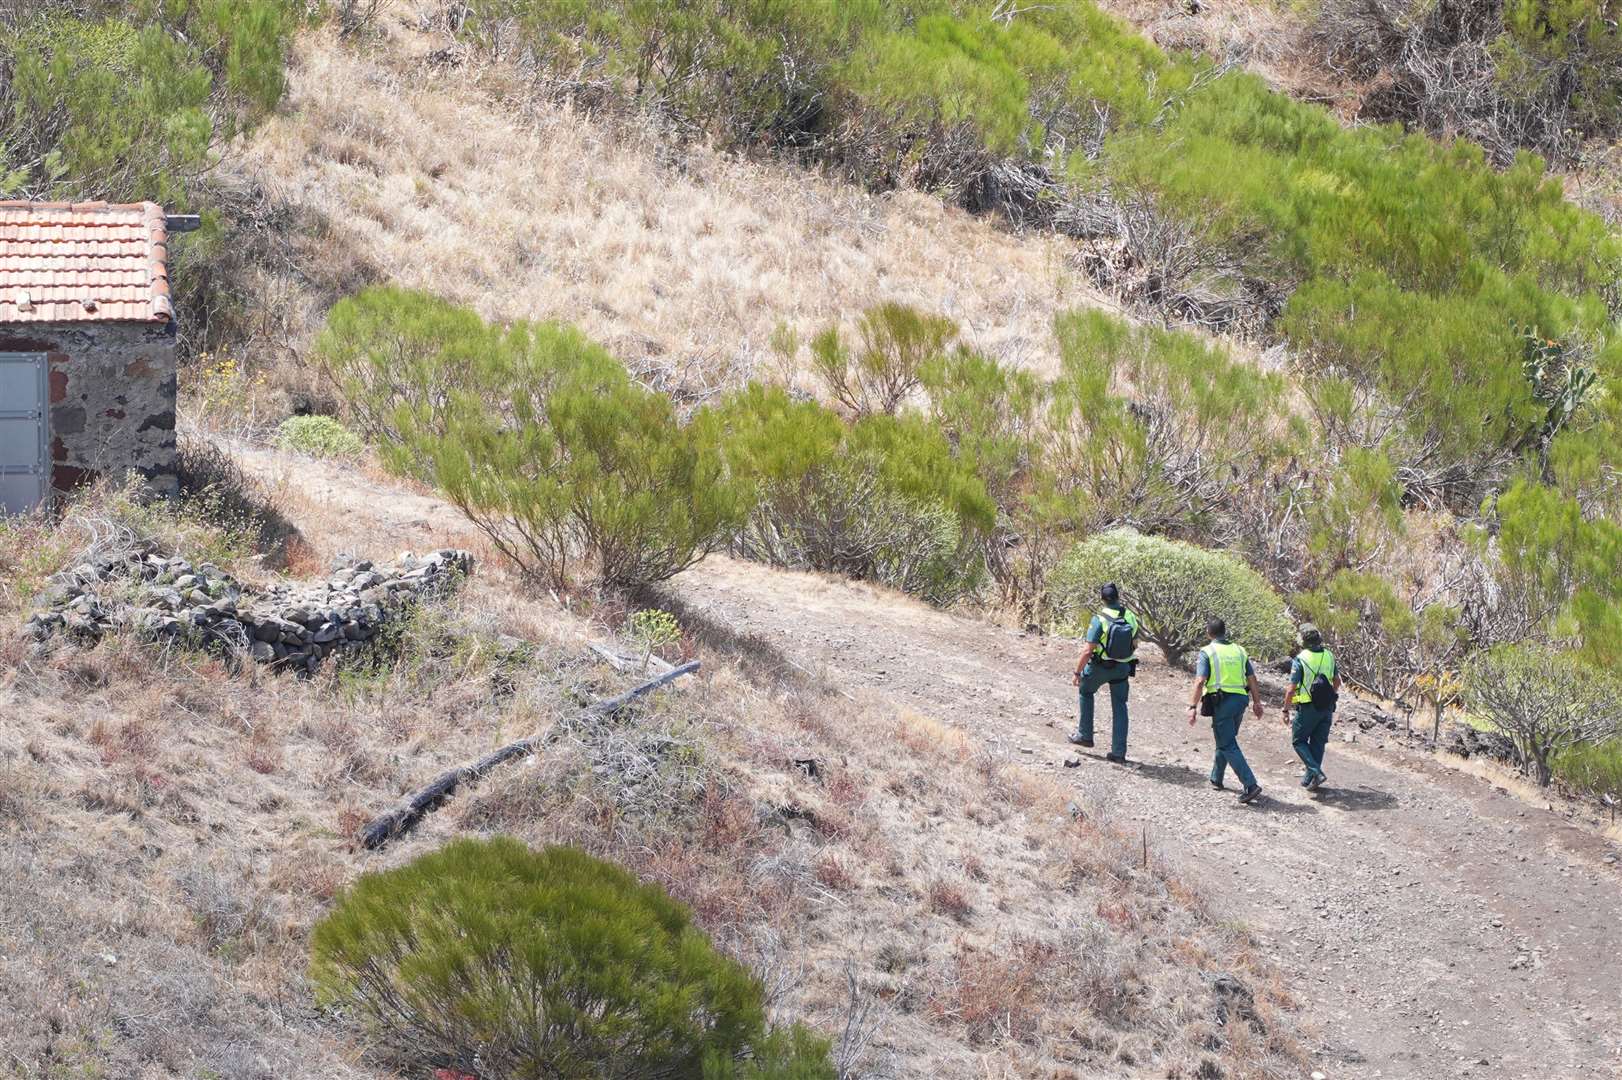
[[1433, 923]]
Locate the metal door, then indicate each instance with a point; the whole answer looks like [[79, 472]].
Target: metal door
[[22, 431]]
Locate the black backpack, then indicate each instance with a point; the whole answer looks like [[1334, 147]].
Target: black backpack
[[1118, 638], [1322, 692]]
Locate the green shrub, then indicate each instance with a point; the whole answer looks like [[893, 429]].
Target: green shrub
[[882, 499], [487, 956], [1155, 429], [1174, 587], [897, 344], [536, 434], [1592, 768], [1545, 700], [128, 101], [319, 436]]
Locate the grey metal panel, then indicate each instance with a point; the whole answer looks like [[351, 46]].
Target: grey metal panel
[[22, 431]]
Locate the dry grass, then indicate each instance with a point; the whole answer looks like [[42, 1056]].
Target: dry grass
[[170, 829], [455, 180]]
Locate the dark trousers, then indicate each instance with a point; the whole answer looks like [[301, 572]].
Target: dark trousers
[[1093, 676], [1309, 732], [1230, 713]]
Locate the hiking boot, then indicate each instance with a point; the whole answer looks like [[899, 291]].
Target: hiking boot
[[1079, 741], [1119, 759], [1251, 793], [1317, 782]]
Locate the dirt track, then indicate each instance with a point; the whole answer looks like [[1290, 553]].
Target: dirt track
[[1432, 924]]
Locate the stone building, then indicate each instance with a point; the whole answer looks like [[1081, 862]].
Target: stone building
[[87, 348]]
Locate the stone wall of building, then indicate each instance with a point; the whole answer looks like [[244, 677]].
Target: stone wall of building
[[112, 399]]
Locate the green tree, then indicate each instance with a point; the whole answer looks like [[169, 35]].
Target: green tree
[[129, 101], [536, 434], [1155, 429], [897, 344], [1400, 647], [487, 955], [1174, 587], [1546, 700]]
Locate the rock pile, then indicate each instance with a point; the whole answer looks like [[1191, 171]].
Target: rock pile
[[291, 624]]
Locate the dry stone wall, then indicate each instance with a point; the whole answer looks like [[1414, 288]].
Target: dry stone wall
[[293, 625]]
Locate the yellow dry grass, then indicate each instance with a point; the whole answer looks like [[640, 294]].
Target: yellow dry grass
[[170, 829], [459, 181]]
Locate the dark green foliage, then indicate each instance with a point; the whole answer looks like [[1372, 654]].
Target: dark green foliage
[[881, 498], [536, 434], [487, 956], [128, 101], [1174, 587], [1592, 768]]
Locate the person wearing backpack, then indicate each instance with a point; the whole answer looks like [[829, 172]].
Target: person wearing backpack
[[1224, 683], [1314, 691], [1110, 656]]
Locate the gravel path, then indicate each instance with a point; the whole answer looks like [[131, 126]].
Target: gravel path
[[1432, 924]]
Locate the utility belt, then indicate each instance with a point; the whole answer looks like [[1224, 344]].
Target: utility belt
[[1107, 664], [1209, 703]]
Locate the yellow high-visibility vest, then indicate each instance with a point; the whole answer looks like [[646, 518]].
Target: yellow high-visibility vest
[[1326, 668], [1227, 662]]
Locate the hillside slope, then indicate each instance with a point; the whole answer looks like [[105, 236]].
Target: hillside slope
[[171, 827], [1431, 924], [683, 261]]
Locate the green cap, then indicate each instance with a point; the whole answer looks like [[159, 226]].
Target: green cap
[[1309, 633]]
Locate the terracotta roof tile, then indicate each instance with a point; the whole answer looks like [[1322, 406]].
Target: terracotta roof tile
[[63, 254]]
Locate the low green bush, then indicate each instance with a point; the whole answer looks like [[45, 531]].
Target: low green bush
[[490, 957], [1592, 768], [882, 499], [319, 436], [1174, 588]]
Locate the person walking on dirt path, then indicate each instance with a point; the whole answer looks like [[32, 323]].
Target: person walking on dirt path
[[1314, 690], [1110, 656], [1224, 683]]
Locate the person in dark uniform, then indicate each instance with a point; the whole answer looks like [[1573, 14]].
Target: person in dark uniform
[[1109, 657], [1309, 727], [1225, 673]]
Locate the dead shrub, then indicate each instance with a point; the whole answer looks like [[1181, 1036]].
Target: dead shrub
[[947, 898], [996, 994], [832, 873]]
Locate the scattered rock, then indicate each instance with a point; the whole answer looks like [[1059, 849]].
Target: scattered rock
[[294, 624], [1234, 1000]]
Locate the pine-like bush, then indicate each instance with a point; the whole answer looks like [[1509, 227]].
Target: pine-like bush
[[1174, 588], [882, 499], [496, 959], [536, 434], [127, 101]]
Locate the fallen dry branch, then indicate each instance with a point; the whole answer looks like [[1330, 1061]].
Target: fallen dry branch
[[404, 818]]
